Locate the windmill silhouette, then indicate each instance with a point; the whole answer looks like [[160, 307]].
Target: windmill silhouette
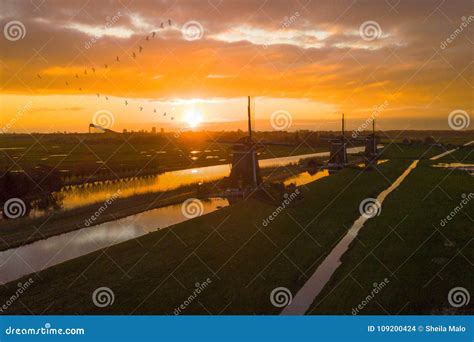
[[245, 171]]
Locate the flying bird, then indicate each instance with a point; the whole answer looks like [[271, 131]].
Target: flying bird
[[107, 98], [117, 59], [164, 114], [126, 102], [93, 70], [98, 95], [153, 34], [154, 110], [134, 55], [169, 22], [141, 108], [161, 25], [77, 76], [105, 66], [85, 71], [80, 89], [38, 76], [147, 38], [140, 48], [67, 83]]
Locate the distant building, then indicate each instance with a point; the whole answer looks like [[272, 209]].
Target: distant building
[[162, 130], [153, 130], [124, 130]]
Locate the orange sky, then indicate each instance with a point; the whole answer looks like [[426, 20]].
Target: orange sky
[[309, 59]]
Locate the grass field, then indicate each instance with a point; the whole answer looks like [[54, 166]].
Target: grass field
[[245, 260], [422, 258]]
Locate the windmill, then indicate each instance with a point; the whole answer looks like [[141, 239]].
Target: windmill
[[245, 171]]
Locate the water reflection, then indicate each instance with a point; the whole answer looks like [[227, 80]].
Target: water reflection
[[42, 254], [82, 195]]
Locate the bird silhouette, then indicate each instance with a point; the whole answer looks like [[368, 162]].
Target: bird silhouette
[[169, 22], [154, 110], [85, 71], [141, 108], [147, 38], [126, 102], [105, 66], [80, 89], [140, 48], [38, 76], [93, 70], [77, 76], [164, 114], [134, 55], [172, 118], [107, 98], [67, 83], [98, 95], [161, 25], [153, 34], [117, 59]]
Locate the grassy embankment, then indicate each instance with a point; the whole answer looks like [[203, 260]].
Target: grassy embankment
[[422, 258], [157, 272]]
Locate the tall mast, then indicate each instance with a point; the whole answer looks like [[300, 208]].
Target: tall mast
[[250, 124], [342, 126]]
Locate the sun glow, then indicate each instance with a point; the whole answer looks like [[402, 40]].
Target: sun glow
[[193, 117]]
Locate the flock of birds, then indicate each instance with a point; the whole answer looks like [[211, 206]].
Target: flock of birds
[[117, 60]]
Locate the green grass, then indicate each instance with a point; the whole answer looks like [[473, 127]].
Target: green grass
[[157, 272], [408, 245]]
